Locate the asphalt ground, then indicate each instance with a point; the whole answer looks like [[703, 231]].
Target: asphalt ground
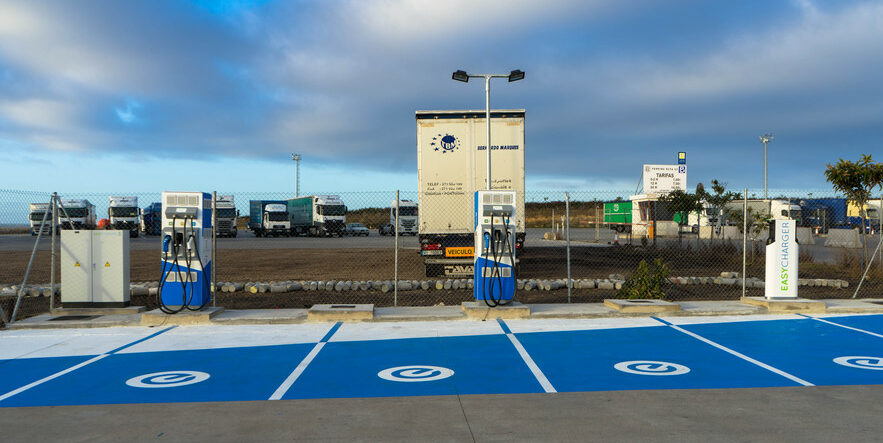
[[654, 379]]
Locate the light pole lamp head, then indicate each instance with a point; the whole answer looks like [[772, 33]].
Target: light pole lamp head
[[461, 76], [295, 157], [516, 75], [766, 138]]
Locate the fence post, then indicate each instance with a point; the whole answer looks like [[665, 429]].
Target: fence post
[[597, 220], [24, 282], [215, 243], [52, 207], [744, 237], [395, 233], [567, 233]]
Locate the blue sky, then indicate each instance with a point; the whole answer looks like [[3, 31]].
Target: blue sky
[[144, 96]]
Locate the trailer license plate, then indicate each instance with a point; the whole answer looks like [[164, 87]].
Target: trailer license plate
[[459, 252]]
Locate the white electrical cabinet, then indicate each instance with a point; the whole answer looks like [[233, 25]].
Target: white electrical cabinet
[[94, 268]]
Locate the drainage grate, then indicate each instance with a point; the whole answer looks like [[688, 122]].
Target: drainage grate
[[74, 317], [343, 306]]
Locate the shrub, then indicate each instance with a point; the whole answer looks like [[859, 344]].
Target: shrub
[[648, 281]]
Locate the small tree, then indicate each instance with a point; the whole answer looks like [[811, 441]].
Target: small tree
[[682, 203], [857, 181], [649, 281], [718, 200]]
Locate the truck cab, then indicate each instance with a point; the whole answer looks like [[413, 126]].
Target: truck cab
[[329, 215], [274, 221], [124, 214], [407, 217], [76, 214], [35, 218], [225, 217]]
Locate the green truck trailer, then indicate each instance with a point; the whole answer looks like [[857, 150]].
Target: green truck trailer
[[618, 215]]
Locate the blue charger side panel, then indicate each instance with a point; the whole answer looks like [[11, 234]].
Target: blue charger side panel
[[501, 289], [173, 291]]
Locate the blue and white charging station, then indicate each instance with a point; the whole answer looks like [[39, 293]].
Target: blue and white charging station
[[494, 281], [186, 251]]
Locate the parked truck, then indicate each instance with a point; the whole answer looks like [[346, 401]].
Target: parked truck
[[837, 213], [268, 218], [124, 214], [151, 219], [779, 208], [225, 217], [77, 214], [35, 218], [618, 215], [451, 166], [317, 215], [407, 219]]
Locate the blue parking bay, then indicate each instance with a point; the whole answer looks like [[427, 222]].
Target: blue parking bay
[[870, 323], [486, 364], [15, 373], [806, 348], [652, 357], [246, 373]]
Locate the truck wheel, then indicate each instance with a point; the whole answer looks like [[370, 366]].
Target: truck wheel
[[234, 234], [434, 270], [134, 234]]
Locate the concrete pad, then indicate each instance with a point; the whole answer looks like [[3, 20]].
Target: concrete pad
[[97, 311], [260, 316], [340, 312], [728, 307], [571, 310], [855, 306], [787, 306], [420, 313], [45, 321], [185, 317], [481, 311], [641, 306]]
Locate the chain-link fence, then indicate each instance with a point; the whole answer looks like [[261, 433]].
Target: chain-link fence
[[342, 247]]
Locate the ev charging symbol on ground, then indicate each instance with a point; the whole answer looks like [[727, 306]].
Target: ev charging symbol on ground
[[415, 373], [875, 363], [648, 367], [167, 379]]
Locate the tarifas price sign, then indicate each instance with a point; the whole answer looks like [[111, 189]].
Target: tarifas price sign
[[662, 179]]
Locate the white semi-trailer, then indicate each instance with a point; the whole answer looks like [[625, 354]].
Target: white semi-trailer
[[124, 214], [451, 166], [81, 213]]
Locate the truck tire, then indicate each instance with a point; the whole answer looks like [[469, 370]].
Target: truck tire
[[234, 234], [434, 270]]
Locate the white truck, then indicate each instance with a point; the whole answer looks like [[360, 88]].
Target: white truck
[[269, 218], [81, 213], [451, 166], [35, 217], [317, 215], [407, 219], [123, 213], [770, 208], [226, 216]]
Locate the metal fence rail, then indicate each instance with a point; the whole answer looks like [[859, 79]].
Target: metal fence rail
[[571, 253]]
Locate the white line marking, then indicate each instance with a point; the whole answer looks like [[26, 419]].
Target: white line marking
[[847, 327], [743, 356], [53, 376], [286, 385], [544, 382]]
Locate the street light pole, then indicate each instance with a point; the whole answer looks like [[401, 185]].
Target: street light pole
[[765, 139], [296, 158], [513, 76]]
